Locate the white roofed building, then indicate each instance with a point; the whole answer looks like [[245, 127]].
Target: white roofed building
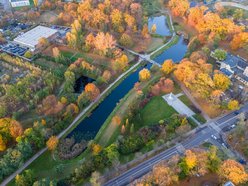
[[19, 3], [31, 38]]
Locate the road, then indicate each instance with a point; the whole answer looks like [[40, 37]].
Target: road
[[78, 118], [202, 134]]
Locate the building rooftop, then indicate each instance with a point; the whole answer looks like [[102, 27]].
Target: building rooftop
[[31, 38]]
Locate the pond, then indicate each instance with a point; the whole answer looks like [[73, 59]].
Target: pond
[[161, 24], [176, 52], [81, 83]]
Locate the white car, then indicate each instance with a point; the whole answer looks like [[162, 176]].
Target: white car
[[214, 137]]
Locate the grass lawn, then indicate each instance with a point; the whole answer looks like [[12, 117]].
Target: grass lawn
[[156, 110], [155, 43]]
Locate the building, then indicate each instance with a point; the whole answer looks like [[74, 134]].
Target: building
[[235, 67], [19, 3], [31, 38], [229, 183]]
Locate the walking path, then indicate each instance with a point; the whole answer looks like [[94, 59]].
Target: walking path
[[237, 5], [34, 157]]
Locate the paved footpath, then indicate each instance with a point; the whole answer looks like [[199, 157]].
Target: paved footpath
[[237, 5]]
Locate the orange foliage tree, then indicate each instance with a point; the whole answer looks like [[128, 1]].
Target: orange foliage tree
[[179, 8], [92, 91], [52, 143], [233, 171]]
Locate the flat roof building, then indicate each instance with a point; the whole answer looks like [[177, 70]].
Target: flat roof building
[[19, 3], [31, 38]]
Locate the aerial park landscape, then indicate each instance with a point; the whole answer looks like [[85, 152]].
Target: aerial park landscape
[[123, 92]]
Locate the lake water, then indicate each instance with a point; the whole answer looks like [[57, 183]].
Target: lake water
[[176, 52], [161, 24]]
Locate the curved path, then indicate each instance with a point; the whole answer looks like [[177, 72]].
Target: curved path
[[233, 4]]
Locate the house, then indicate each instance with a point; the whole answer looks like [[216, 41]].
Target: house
[[235, 67]]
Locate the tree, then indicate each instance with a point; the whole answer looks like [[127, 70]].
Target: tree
[[104, 43], [220, 54], [96, 148], [36, 2], [92, 91], [52, 143], [167, 66], [144, 75], [213, 160], [121, 63], [117, 20], [239, 40], [221, 81], [2, 143], [116, 120], [145, 31], [75, 37], [179, 8], [238, 14], [95, 176], [233, 171], [25, 179], [43, 42], [233, 105], [28, 54], [126, 40], [190, 159], [154, 29]]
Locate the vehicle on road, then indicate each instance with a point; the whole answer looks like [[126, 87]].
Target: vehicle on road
[[214, 137]]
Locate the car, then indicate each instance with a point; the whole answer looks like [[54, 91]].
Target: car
[[232, 126], [224, 145], [236, 112], [243, 162], [214, 137]]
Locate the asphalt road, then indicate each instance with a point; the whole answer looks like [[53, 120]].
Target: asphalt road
[[201, 135]]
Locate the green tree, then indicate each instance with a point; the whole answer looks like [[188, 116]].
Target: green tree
[[220, 54], [213, 160], [25, 179]]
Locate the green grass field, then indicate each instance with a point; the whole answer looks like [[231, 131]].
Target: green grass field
[[156, 110]]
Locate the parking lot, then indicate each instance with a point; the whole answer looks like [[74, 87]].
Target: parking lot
[[13, 49]]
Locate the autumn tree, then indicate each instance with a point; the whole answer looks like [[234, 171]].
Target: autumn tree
[[94, 180], [2, 143], [120, 63], [167, 66], [117, 20], [92, 91], [52, 143], [126, 40], [24, 179], [96, 148], [179, 8], [233, 171], [75, 37], [106, 75], [239, 40], [104, 43], [233, 105], [43, 42], [154, 29], [221, 81], [144, 75], [145, 31]]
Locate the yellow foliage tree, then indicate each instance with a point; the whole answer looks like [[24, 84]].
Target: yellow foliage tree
[[221, 81], [144, 75], [167, 66], [154, 29], [2, 144], [233, 171], [52, 143], [96, 148], [190, 159], [233, 105]]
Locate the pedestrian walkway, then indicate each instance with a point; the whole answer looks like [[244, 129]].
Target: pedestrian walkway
[[215, 127], [178, 105]]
